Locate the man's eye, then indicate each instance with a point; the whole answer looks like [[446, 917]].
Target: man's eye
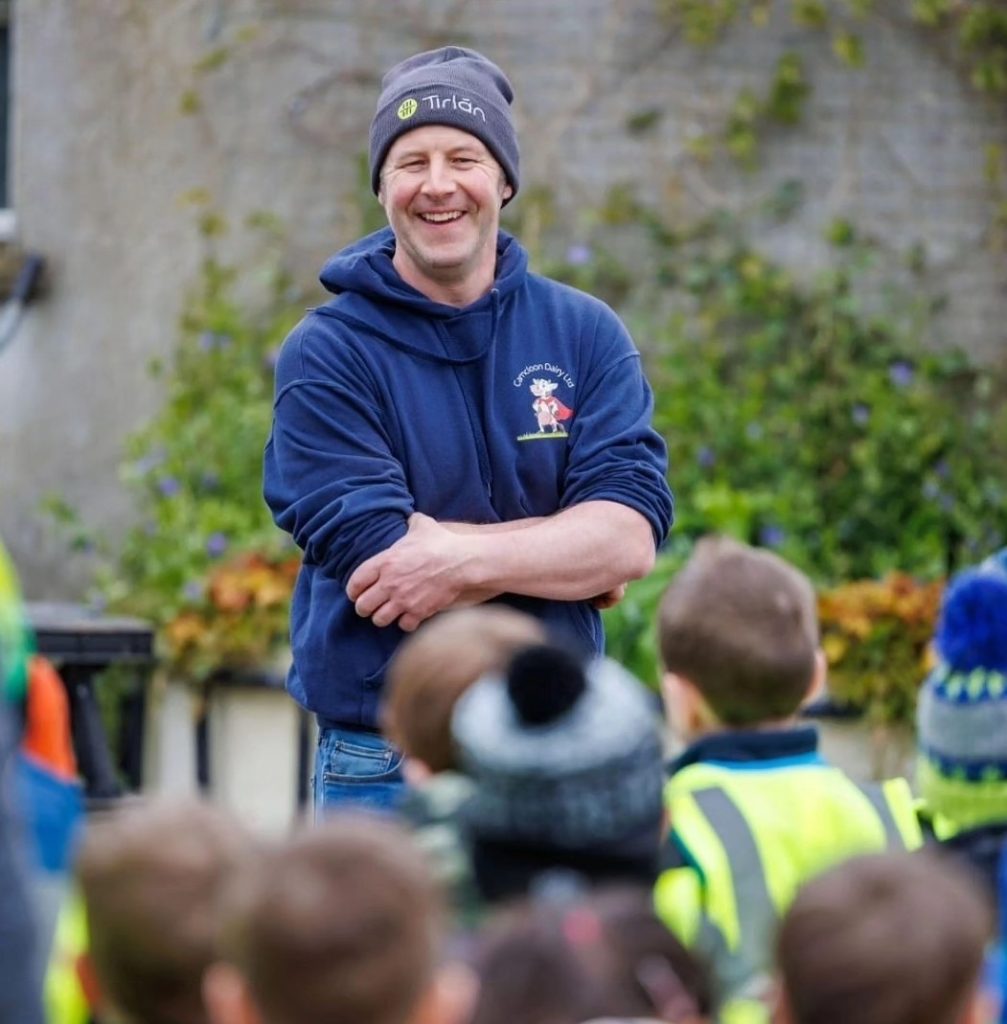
[[412, 165], [464, 161]]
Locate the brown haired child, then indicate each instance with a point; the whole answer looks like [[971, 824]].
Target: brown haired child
[[754, 811], [884, 939]]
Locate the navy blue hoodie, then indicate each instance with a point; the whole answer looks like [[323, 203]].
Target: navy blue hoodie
[[528, 401]]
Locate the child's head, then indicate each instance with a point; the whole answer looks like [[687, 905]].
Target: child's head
[[341, 923], [738, 629], [150, 875], [607, 955], [962, 710], [883, 939], [566, 758], [435, 666]]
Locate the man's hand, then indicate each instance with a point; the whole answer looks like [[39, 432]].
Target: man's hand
[[610, 598], [419, 575]]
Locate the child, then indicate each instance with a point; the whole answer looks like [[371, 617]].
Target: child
[[588, 956], [150, 876], [565, 754], [754, 811], [429, 672], [962, 721], [340, 924], [884, 939]]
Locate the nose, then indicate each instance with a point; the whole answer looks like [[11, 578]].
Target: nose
[[439, 179]]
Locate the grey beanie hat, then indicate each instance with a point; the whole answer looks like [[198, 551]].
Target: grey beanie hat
[[453, 86], [561, 757]]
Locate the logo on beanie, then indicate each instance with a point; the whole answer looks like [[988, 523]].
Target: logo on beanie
[[407, 108]]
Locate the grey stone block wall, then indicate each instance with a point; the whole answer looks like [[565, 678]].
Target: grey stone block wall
[[104, 158]]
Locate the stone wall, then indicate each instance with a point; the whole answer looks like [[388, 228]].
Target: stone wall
[[130, 117]]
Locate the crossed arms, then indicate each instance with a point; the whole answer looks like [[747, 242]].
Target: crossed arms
[[587, 551]]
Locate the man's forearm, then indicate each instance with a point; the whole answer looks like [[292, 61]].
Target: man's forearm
[[576, 554], [486, 528]]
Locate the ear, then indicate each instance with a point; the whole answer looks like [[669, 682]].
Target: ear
[[982, 1006], [450, 998], [89, 984], [226, 996], [780, 1012], [506, 192], [686, 710], [415, 771], [816, 685]]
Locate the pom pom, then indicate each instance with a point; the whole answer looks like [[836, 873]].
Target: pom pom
[[544, 682], [972, 631]]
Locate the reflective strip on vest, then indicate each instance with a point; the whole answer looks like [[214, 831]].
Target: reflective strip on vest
[[743, 897]]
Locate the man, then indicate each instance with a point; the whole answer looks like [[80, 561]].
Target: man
[[411, 456]]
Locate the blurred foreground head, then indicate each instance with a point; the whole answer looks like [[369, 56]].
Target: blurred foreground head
[[561, 961], [436, 665], [566, 758], [884, 939], [151, 876], [341, 924]]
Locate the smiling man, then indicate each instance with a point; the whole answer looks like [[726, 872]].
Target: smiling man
[[450, 428]]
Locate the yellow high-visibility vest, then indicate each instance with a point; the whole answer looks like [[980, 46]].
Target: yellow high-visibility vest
[[65, 1001], [751, 835]]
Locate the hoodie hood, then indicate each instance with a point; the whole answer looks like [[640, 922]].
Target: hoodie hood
[[372, 297]]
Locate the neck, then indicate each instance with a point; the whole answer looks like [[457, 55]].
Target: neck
[[456, 286]]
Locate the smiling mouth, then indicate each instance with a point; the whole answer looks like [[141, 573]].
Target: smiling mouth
[[446, 217]]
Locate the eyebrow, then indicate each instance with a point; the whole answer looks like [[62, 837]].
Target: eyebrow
[[467, 147]]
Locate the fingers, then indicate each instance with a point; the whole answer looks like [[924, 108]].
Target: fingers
[[364, 576]]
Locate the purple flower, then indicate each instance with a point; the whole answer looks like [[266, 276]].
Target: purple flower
[[901, 374], [193, 591], [861, 414], [168, 486], [706, 456], [943, 469], [209, 481], [771, 536], [578, 255], [210, 340], [931, 489], [216, 544]]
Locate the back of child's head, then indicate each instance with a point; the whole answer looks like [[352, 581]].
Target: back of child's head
[[962, 709], [150, 874], [883, 939], [741, 625], [435, 666], [340, 924], [566, 758], [560, 961]]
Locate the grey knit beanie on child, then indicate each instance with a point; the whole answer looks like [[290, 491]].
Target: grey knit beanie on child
[[452, 86], [562, 755]]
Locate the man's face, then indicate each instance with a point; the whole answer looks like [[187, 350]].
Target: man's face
[[442, 191]]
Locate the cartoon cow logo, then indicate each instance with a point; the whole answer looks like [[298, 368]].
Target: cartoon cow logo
[[549, 411]]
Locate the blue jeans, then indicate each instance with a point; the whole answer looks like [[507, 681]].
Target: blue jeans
[[355, 768]]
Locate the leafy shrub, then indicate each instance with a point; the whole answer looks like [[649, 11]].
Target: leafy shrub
[[876, 636], [801, 418], [205, 564]]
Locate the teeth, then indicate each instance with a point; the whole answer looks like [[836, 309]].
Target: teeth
[[441, 218]]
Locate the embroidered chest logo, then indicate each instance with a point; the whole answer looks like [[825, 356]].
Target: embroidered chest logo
[[551, 416]]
